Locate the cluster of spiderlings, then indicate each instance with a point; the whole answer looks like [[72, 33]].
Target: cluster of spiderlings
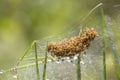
[[74, 45]]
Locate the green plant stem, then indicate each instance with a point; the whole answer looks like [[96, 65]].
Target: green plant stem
[[23, 66], [78, 62], [115, 56], [79, 68], [45, 65], [89, 13], [80, 21], [28, 65], [41, 58], [37, 67], [26, 52], [114, 53], [103, 41], [33, 58], [93, 9]]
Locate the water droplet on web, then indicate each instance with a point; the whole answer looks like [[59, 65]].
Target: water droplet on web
[[14, 76], [84, 55], [75, 58], [49, 60], [90, 62], [47, 79], [58, 62], [14, 72], [82, 62], [1, 71], [68, 60]]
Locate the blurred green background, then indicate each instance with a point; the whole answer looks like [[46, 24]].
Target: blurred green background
[[22, 21]]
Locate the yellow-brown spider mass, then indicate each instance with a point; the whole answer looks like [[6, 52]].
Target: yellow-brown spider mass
[[74, 45]]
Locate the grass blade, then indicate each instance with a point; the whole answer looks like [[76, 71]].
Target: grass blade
[[114, 53], [23, 66], [93, 9], [103, 41], [79, 68], [79, 21], [44, 72], [115, 56], [37, 68], [26, 52]]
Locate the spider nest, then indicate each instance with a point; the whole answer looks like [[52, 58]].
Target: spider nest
[[74, 45]]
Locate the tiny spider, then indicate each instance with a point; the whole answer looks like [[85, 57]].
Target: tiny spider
[[74, 45]]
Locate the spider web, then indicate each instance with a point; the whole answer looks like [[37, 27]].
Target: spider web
[[65, 68], [91, 62]]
